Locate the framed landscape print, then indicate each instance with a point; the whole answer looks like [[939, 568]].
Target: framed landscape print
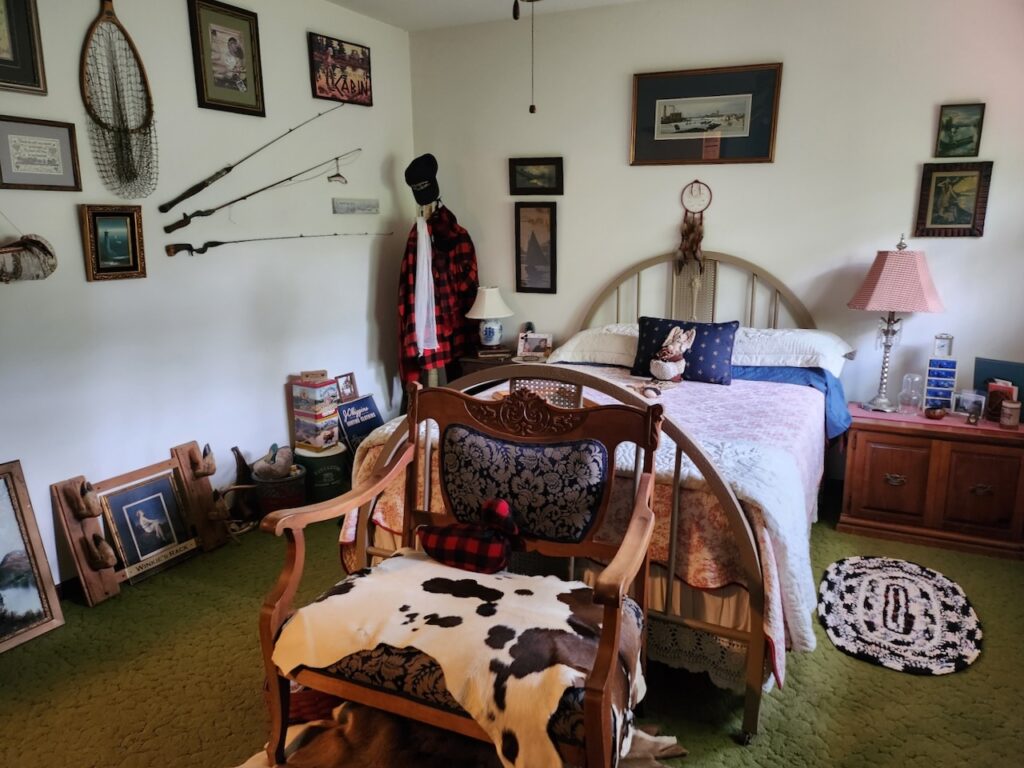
[[535, 248], [28, 598], [339, 71], [21, 52], [38, 154], [953, 200], [226, 57], [148, 522], [112, 241], [959, 133], [722, 115], [535, 176]]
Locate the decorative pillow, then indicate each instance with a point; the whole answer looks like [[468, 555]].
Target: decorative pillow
[[607, 345], [708, 360], [669, 363], [794, 347], [480, 547]]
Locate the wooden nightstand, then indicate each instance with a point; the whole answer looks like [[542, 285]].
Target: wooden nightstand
[[945, 483], [474, 364]]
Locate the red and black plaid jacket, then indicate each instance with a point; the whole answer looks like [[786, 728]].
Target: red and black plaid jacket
[[455, 284]]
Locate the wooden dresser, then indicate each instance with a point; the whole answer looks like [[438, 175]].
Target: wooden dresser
[[946, 483]]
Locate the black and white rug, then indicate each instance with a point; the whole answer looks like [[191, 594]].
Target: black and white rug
[[898, 614]]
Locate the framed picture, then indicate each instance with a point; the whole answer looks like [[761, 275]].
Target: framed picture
[[21, 52], [38, 154], [359, 418], [970, 403], [953, 200], [112, 241], [147, 519], [28, 598], [339, 71], [226, 57], [959, 133], [722, 115], [535, 248], [535, 345], [535, 176], [347, 387]]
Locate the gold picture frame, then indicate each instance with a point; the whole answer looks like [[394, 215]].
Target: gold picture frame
[[112, 242]]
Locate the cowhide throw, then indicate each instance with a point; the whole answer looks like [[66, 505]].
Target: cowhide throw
[[508, 645]]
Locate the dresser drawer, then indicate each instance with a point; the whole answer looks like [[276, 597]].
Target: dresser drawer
[[891, 477], [982, 489]]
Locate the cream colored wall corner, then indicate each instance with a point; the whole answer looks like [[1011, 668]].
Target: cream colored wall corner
[[861, 87], [101, 378]]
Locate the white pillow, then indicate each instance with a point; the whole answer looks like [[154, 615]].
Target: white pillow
[[606, 345], [791, 346]]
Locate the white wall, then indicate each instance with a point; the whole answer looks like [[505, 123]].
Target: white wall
[[102, 378], [861, 87]]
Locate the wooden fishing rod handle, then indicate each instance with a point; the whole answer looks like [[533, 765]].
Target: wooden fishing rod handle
[[195, 189], [174, 248], [184, 221]]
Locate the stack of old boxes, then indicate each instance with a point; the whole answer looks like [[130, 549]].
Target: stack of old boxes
[[315, 406]]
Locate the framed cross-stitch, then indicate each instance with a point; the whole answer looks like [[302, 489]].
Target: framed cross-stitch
[[112, 241], [720, 115], [28, 597], [339, 71], [38, 154], [536, 261], [953, 200], [21, 51], [226, 57]]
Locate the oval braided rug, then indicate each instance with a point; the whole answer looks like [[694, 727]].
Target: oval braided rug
[[899, 615]]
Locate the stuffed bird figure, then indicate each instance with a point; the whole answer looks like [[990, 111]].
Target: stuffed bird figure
[[668, 363]]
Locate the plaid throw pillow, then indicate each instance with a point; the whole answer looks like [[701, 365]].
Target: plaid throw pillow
[[480, 547]]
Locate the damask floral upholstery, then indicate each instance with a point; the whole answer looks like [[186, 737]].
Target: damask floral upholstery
[[554, 489]]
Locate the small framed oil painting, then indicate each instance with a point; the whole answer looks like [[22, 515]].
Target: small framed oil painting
[[535, 176], [953, 200], [112, 241], [959, 133]]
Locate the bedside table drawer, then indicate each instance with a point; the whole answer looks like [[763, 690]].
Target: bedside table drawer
[[892, 477], [982, 489]]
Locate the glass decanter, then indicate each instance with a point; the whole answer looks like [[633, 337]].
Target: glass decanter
[[911, 395]]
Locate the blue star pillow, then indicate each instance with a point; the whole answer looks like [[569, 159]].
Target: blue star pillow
[[708, 360]]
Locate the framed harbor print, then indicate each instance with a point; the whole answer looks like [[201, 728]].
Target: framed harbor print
[[28, 597], [959, 133], [21, 51], [339, 71], [38, 154], [535, 248], [535, 176], [226, 57], [721, 115], [112, 242], [953, 200]]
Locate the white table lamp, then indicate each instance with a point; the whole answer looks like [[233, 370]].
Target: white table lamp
[[488, 308]]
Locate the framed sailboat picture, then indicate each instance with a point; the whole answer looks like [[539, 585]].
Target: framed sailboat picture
[[535, 248]]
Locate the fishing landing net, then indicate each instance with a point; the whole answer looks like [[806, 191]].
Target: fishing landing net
[[116, 95]]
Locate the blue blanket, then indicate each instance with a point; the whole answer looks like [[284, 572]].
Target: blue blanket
[[837, 414]]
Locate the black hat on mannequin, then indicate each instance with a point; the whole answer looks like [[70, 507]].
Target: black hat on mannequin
[[421, 175]]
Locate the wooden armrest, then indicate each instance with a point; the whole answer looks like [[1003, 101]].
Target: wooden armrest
[[299, 517], [613, 581]]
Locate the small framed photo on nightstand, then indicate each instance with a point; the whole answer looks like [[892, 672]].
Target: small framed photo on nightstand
[[971, 404]]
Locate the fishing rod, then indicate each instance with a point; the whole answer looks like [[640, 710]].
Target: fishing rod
[[175, 248], [197, 188], [186, 218]]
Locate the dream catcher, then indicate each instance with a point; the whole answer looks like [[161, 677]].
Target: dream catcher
[[696, 197], [116, 95]]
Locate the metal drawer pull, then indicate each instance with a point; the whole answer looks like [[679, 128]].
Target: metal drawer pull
[[982, 489], [893, 479]]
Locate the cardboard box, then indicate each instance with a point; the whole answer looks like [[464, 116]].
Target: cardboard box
[[317, 432]]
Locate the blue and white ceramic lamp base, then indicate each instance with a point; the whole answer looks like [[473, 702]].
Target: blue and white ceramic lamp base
[[490, 333]]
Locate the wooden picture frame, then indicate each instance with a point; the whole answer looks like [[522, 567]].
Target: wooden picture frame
[[21, 49], [146, 515], [535, 176], [347, 389], [719, 115], [339, 70], [534, 345], [38, 154], [953, 199], [959, 131], [226, 57], [112, 242], [29, 606], [536, 246]]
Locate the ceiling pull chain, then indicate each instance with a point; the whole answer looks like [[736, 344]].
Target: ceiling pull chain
[[533, 106]]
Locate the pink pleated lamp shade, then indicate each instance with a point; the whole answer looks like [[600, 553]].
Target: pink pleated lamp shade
[[898, 281]]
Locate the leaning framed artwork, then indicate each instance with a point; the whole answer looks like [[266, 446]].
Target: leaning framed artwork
[[721, 115], [535, 176], [959, 133], [953, 200], [226, 57], [536, 260], [28, 597], [112, 241], [21, 51], [339, 71], [38, 154]]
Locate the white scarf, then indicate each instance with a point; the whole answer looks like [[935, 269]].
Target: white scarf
[[426, 328]]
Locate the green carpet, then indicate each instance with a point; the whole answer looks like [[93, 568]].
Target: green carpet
[[169, 674]]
